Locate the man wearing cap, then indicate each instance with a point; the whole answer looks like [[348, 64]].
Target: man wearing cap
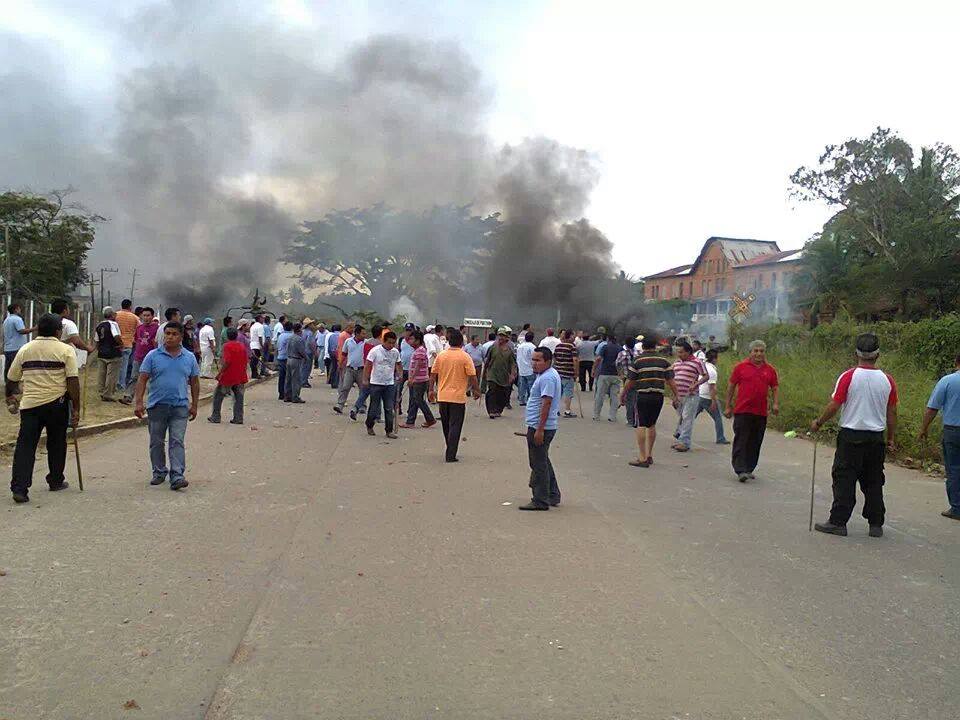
[[431, 341], [499, 372], [752, 380], [866, 397], [208, 348]]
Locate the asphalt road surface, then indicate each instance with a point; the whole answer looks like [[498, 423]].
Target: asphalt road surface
[[310, 571]]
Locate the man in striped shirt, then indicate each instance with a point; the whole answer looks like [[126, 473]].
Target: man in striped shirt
[[688, 374], [648, 375], [419, 381], [567, 365]]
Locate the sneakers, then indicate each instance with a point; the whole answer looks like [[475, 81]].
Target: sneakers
[[533, 506], [876, 531], [215, 421], [392, 435], [830, 529], [362, 411], [158, 480], [353, 415], [179, 484], [338, 410]]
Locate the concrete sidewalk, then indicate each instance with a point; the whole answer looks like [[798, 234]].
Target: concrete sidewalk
[[313, 572]]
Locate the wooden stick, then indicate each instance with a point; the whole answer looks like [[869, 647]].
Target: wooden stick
[[813, 480], [76, 449]]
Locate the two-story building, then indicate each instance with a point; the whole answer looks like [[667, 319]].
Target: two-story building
[[725, 266]]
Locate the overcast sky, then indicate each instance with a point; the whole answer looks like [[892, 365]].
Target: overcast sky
[[697, 112]]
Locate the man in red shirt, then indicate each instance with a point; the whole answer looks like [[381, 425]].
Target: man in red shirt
[[752, 380], [231, 379], [866, 398]]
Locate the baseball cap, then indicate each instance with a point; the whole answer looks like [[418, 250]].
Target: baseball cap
[[409, 326], [504, 330], [430, 328]]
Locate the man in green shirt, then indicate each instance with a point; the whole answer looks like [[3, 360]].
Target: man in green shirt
[[499, 372]]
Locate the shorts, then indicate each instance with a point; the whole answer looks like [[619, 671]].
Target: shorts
[[649, 406], [566, 387]]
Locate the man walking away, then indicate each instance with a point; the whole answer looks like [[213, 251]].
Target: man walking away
[[451, 373], [128, 323], [47, 371], [586, 353], [550, 341], [109, 352], [566, 364], [351, 367], [231, 379], [380, 372], [15, 335], [649, 374], [866, 397], [751, 381], [708, 397], [169, 370], [419, 379], [283, 340], [525, 367], [543, 409], [296, 352], [208, 348], [946, 398], [499, 373], [624, 361], [688, 374], [607, 381]]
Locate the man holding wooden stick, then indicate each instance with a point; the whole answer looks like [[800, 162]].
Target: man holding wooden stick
[[47, 371]]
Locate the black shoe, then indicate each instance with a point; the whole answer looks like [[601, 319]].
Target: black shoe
[[743, 477], [370, 431], [158, 481], [876, 531], [830, 529], [509, 406], [353, 415], [554, 503], [62, 486], [215, 421], [20, 498], [533, 506], [453, 459], [298, 401], [236, 422], [953, 515], [179, 484], [338, 410]]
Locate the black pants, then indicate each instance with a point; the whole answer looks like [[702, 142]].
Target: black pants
[[333, 373], [417, 401], [55, 417], [586, 369], [451, 418], [497, 398], [543, 480], [9, 357], [748, 430], [281, 378], [859, 458]]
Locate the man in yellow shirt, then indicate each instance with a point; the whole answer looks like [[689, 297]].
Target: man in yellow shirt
[[451, 372], [47, 372]]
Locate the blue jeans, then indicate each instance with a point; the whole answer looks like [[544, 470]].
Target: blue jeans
[[951, 462], [361, 402], [126, 363], [717, 416], [164, 418], [523, 389], [305, 369], [135, 374], [688, 413], [386, 395]]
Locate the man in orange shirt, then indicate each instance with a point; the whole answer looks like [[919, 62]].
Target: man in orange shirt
[[451, 372], [128, 323], [345, 335]]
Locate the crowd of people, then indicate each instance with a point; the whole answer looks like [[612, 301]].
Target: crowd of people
[[156, 367]]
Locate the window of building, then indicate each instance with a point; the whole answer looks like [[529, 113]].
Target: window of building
[[773, 280], [708, 287], [703, 287], [680, 290], [690, 289]]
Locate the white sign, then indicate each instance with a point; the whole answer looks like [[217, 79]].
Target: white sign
[[478, 322]]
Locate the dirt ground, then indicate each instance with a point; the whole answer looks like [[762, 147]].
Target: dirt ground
[[95, 410]]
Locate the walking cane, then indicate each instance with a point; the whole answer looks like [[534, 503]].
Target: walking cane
[[76, 449], [813, 480]]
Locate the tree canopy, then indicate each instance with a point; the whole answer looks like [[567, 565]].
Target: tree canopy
[[49, 241], [894, 243]]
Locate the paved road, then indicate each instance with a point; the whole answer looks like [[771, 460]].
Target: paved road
[[313, 572]]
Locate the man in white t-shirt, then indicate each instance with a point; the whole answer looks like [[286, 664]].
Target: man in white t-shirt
[[866, 398], [698, 352], [550, 341], [208, 348], [256, 346], [380, 371], [525, 367], [71, 333], [431, 341], [709, 400]]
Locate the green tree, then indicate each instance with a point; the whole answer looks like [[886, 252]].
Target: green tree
[[49, 241], [894, 241]]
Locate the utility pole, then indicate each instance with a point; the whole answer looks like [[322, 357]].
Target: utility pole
[[9, 272], [102, 271], [133, 283], [93, 304]]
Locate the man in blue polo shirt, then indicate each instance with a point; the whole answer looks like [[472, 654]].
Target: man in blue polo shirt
[[946, 398], [169, 369], [543, 411], [15, 335]]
